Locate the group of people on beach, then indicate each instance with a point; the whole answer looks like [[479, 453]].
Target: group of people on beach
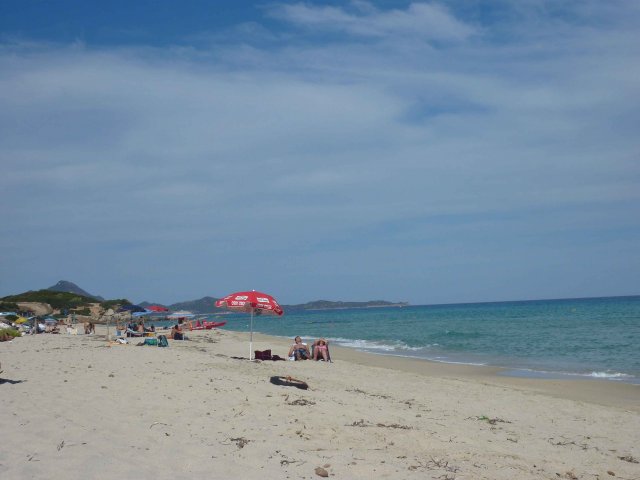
[[300, 351], [137, 329]]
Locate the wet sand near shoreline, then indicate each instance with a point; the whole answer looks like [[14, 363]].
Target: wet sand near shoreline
[[80, 407], [599, 391]]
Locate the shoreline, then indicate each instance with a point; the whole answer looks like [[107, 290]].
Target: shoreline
[[514, 371], [594, 390]]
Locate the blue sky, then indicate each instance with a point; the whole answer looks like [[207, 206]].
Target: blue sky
[[430, 152]]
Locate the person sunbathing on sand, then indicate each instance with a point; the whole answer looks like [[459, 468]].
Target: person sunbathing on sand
[[321, 348], [299, 350]]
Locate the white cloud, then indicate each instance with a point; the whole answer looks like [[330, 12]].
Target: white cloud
[[420, 20], [339, 155]]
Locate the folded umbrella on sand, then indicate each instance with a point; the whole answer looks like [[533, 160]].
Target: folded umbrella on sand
[[255, 303]]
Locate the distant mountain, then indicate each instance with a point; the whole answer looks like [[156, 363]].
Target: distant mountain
[[207, 305], [204, 305], [70, 287]]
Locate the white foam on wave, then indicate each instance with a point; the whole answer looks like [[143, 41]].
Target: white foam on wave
[[444, 360], [565, 374], [608, 375], [372, 345], [400, 349]]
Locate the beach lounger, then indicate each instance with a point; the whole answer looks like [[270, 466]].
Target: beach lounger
[[133, 333]]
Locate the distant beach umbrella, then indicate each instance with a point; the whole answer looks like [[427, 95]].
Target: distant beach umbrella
[[254, 303], [157, 308], [131, 308]]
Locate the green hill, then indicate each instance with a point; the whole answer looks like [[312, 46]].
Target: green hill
[[57, 300], [60, 300]]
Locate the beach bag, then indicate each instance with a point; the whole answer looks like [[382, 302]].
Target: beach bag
[[265, 355], [151, 341], [162, 341]]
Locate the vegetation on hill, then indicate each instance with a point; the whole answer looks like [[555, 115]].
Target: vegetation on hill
[[57, 300], [118, 302], [8, 306]]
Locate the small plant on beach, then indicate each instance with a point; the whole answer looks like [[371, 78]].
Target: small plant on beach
[[7, 334]]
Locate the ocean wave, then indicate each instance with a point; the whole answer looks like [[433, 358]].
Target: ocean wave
[[531, 372], [445, 360], [374, 345], [609, 375]]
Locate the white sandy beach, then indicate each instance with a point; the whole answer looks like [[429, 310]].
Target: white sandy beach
[[76, 407]]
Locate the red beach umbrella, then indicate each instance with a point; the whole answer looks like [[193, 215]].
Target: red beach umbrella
[[255, 303], [157, 308]]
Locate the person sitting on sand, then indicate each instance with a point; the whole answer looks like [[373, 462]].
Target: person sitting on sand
[[321, 348], [176, 333], [299, 350], [131, 328]]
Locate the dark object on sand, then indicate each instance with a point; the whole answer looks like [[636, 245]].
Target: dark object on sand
[[266, 355], [262, 355], [12, 382], [321, 472], [289, 382]]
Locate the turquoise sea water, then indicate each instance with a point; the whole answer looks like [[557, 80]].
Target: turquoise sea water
[[597, 338]]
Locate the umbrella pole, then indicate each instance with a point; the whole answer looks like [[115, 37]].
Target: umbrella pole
[[251, 336]]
